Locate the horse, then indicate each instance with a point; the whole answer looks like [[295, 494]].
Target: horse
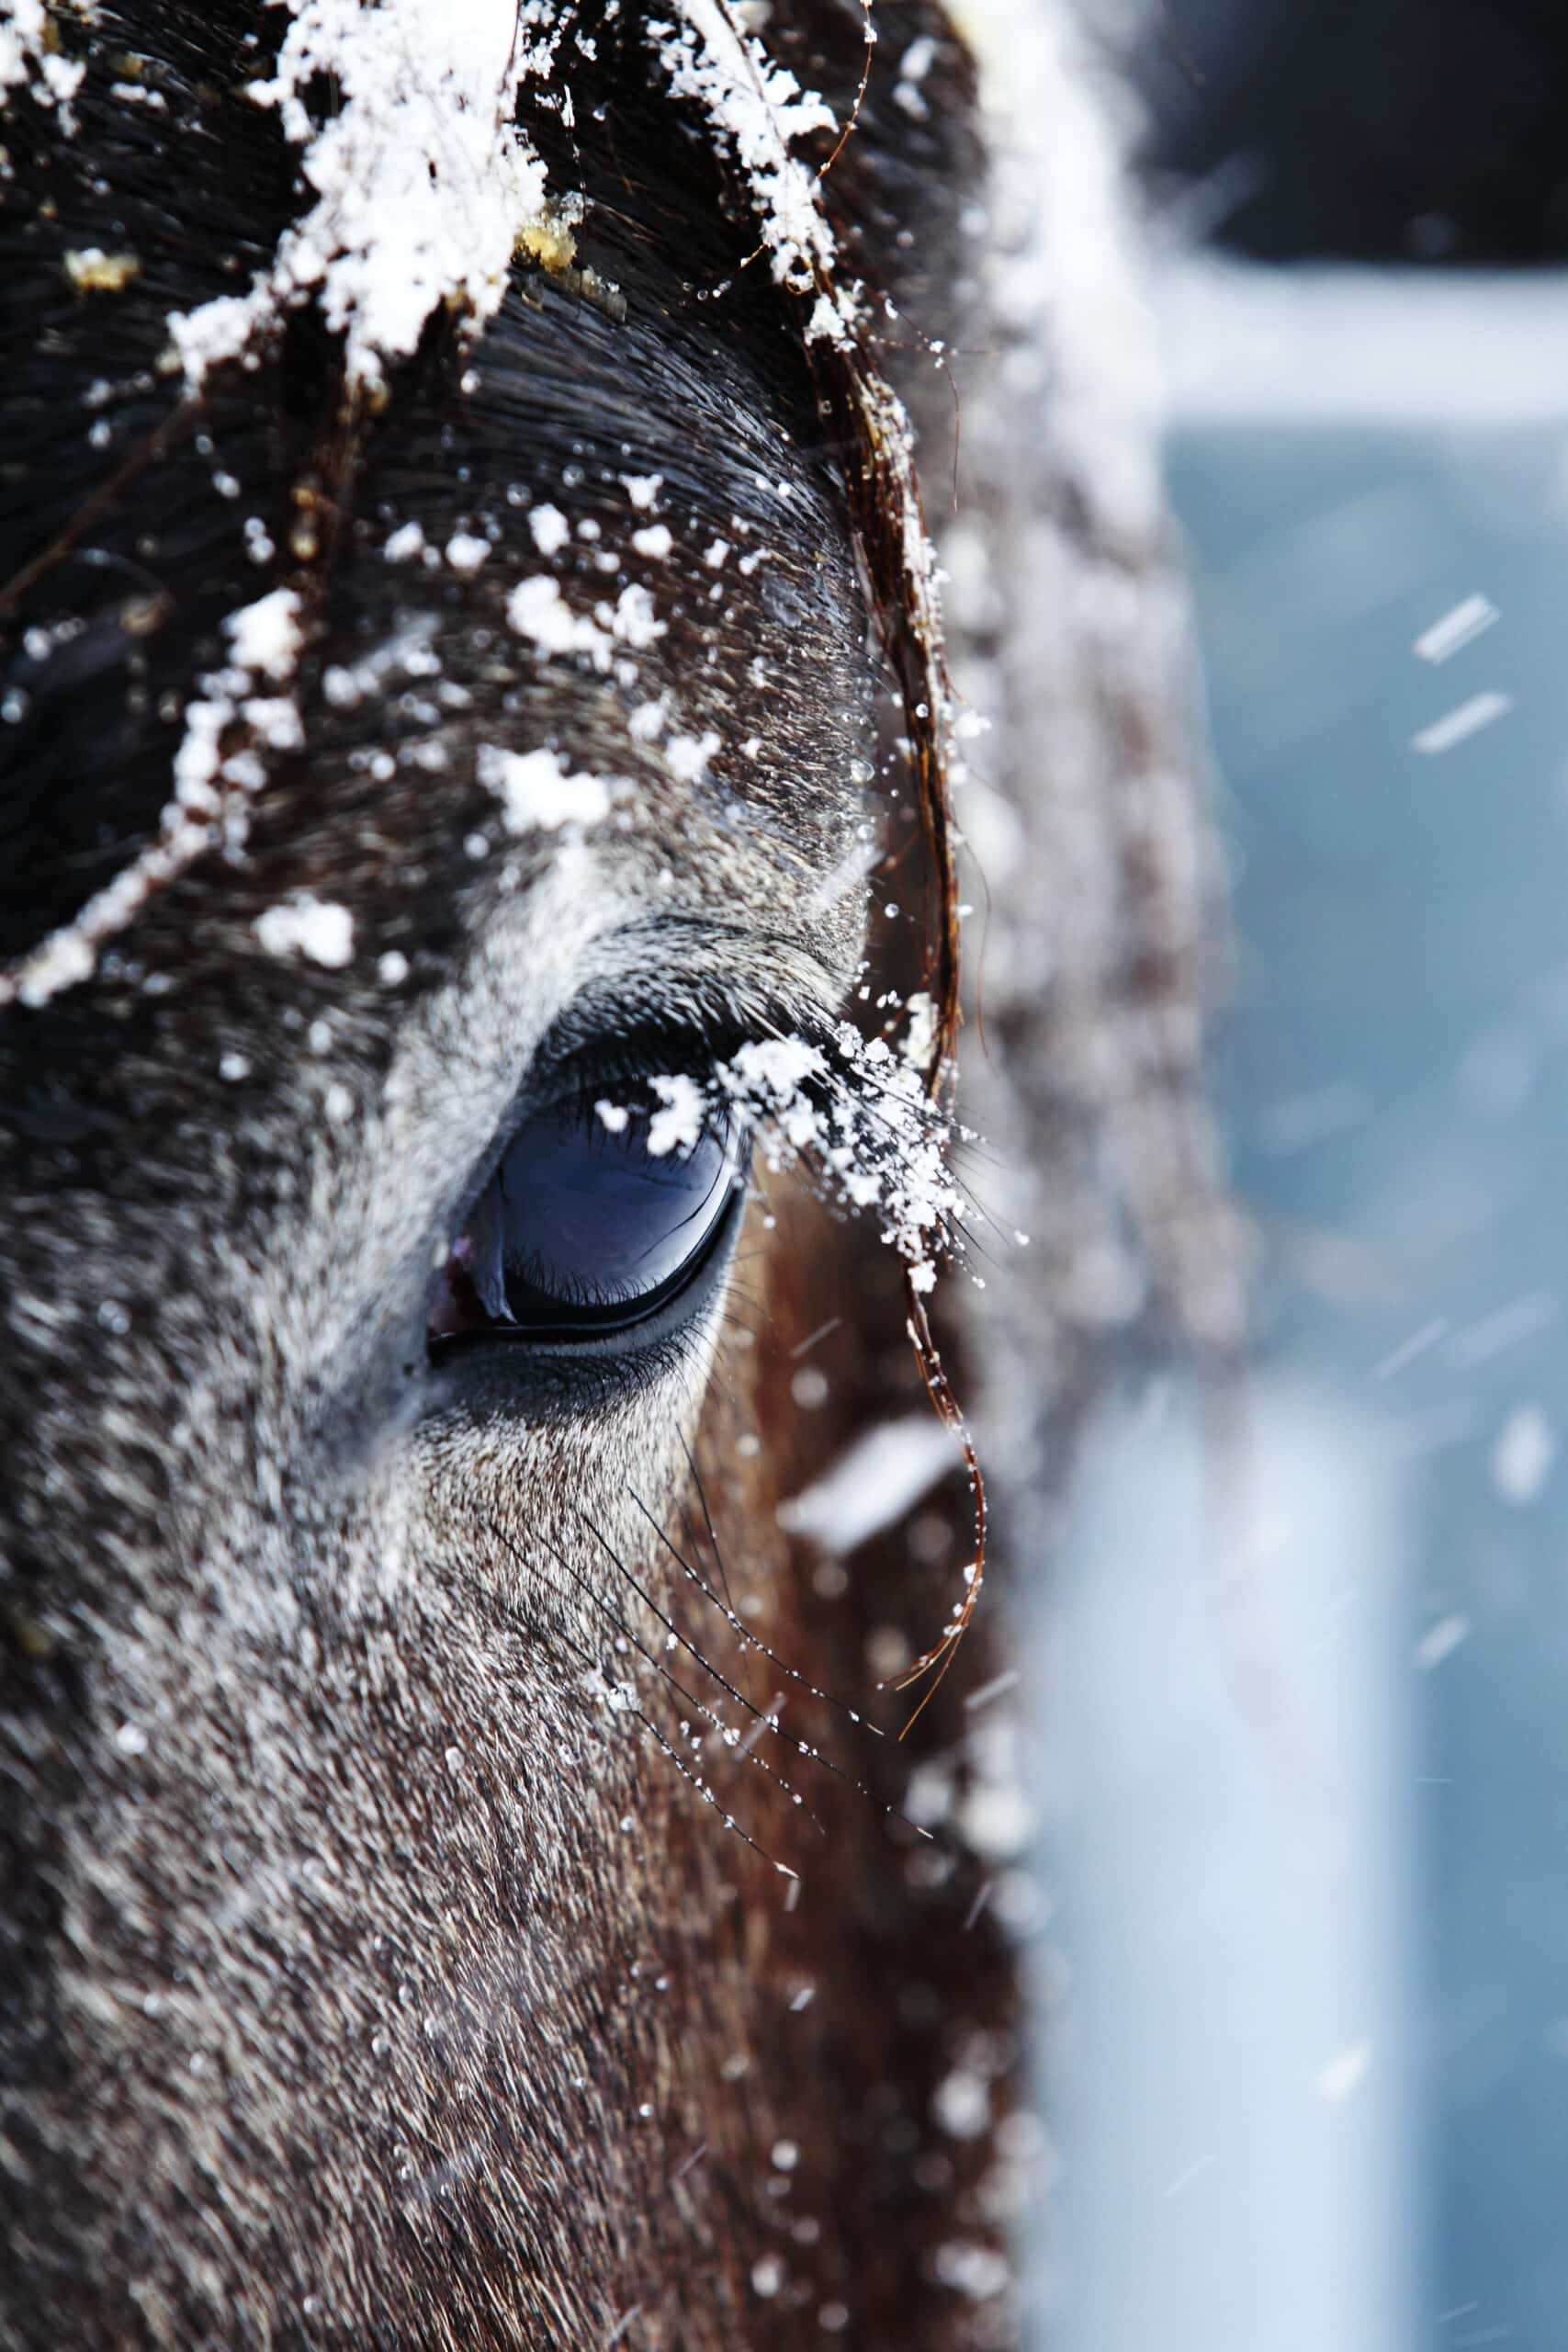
[[479, 969]]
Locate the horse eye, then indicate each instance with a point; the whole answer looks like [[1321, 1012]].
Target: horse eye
[[598, 1214]]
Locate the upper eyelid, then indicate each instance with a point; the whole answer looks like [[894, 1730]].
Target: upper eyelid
[[612, 1034]]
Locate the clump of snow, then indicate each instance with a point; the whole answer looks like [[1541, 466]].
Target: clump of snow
[[655, 541], [275, 720], [465, 552], [319, 928], [643, 489], [550, 530], [678, 1125], [536, 792], [267, 635], [26, 48], [424, 183], [648, 721], [687, 756], [634, 620], [538, 610]]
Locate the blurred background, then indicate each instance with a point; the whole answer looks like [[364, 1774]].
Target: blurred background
[[1306, 1816]]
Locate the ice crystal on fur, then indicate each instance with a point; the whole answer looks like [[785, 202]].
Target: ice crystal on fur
[[863, 1121]]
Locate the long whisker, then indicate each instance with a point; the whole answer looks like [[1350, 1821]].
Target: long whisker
[[763, 1721], [709, 1667], [743, 1632], [729, 1602], [639, 1715], [730, 1737]]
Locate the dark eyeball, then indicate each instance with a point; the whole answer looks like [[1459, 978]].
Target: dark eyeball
[[598, 1214]]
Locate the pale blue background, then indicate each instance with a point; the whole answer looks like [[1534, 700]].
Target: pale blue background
[[1311, 2073]]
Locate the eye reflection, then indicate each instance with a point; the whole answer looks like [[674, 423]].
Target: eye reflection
[[584, 1225]]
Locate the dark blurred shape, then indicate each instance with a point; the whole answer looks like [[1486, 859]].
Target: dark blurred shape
[[1414, 130]]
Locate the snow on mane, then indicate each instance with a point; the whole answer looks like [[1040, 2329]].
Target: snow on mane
[[212, 792], [761, 109], [424, 185]]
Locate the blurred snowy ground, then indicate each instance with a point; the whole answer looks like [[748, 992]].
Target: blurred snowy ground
[[1308, 1793]]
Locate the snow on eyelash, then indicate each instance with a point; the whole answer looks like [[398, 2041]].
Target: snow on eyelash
[[858, 1116]]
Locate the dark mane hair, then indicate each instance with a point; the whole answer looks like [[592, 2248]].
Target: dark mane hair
[[135, 512]]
